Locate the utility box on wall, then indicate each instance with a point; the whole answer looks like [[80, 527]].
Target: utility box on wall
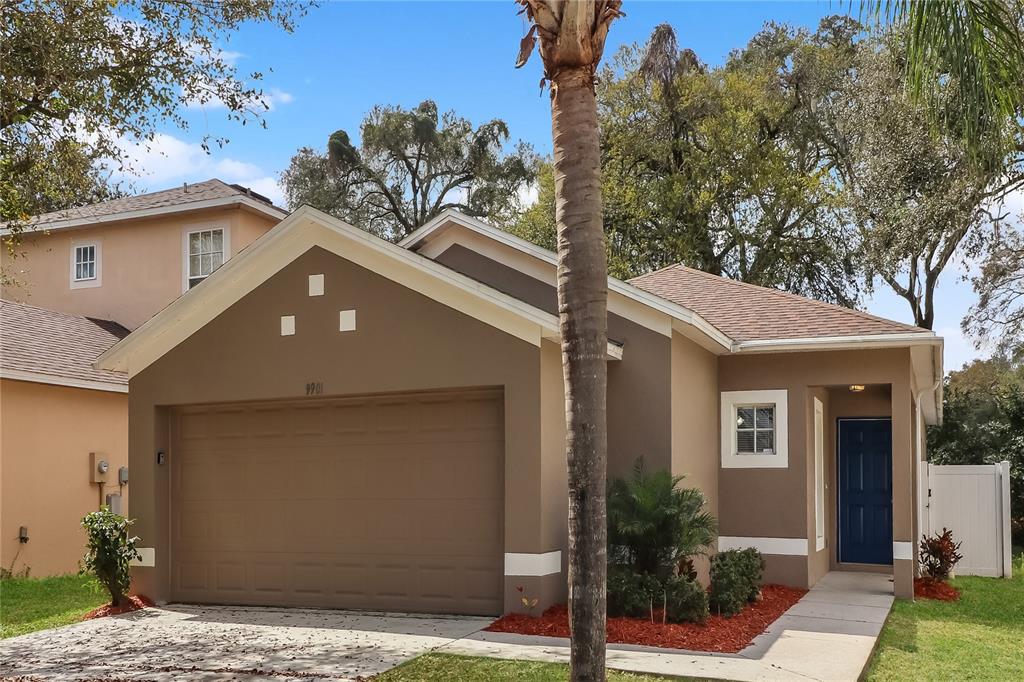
[[114, 503], [100, 467]]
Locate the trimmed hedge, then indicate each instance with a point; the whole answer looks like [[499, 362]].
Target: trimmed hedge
[[631, 594], [635, 595], [686, 601], [735, 579]]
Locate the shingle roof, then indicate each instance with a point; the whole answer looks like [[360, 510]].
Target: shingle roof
[[747, 312], [178, 197], [58, 345]]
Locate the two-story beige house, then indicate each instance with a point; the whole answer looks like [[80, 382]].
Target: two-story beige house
[[77, 281]]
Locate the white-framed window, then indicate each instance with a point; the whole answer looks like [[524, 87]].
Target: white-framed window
[[755, 430], [86, 264], [205, 251]]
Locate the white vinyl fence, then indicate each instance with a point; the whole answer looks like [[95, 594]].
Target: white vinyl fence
[[974, 502]]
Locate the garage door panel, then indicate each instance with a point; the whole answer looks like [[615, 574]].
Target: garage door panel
[[389, 503], [231, 576], [269, 575]]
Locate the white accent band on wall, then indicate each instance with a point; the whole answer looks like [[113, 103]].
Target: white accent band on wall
[[902, 550], [786, 546], [148, 555], [547, 563]]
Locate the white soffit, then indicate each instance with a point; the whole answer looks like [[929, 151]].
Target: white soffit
[[302, 230]]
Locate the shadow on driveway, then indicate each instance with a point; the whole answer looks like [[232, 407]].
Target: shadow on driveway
[[215, 642]]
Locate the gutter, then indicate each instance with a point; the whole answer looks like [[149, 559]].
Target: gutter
[[837, 342]]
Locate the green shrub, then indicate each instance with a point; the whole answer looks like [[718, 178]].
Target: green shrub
[[109, 551], [654, 526], [631, 593], [735, 579], [686, 601]]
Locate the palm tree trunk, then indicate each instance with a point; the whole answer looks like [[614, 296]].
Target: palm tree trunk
[[582, 310]]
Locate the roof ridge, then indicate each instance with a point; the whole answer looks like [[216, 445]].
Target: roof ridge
[[63, 313], [71, 212], [788, 295]]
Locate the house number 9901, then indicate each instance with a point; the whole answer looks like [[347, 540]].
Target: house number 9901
[[314, 388]]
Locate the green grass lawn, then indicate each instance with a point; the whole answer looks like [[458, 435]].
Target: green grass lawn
[[467, 669], [980, 637], [30, 604]]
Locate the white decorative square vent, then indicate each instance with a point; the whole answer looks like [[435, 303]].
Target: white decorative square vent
[[287, 325], [347, 319], [316, 285]]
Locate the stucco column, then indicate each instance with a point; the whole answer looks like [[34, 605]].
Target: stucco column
[[148, 480], [903, 489], [536, 524]]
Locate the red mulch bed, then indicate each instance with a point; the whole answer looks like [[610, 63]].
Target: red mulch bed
[[726, 635], [930, 588], [134, 603]]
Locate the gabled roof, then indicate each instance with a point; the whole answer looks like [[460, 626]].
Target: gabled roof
[[189, 197], [751, 313], [742, 316], [302, 230], [48, 347], [723, 315], [688, 321]]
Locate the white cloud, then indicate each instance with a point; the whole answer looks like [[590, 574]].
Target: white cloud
[[276, 97], [268, 187], [528, 195], [271, 99], [168, 160], [237, 169]]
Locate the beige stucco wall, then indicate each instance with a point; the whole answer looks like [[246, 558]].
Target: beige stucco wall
[[778, 503], [46, 435], [404, 341], [141, 263], [695, 423], [642, 377]]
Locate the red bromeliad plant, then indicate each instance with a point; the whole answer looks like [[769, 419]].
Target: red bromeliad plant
[[939, 554]]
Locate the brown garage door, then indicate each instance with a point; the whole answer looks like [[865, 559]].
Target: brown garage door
[[385, 502]]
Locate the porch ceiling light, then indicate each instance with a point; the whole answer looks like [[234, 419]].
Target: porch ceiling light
[[856, 388]]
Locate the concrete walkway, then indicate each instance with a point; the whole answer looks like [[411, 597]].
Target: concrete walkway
[[828, 635]]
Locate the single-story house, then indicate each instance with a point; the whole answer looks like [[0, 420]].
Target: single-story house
[[63, 435], [333, 420]]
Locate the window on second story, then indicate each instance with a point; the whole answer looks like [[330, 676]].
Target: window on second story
[[85, 262], [205, 254]]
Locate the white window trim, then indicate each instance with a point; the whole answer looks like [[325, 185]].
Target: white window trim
[[202, 227], [730, 458], [96, 281], [819, 475]]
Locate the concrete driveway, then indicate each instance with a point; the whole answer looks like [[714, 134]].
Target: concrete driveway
[[229, 643]]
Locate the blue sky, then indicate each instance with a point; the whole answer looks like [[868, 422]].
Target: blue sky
[[344, 57]]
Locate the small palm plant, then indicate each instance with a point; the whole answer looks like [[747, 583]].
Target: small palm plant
[[654, 525]]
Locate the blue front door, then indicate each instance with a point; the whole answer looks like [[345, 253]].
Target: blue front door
[[865, 491]]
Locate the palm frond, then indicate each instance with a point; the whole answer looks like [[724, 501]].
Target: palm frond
[[965, 59]]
